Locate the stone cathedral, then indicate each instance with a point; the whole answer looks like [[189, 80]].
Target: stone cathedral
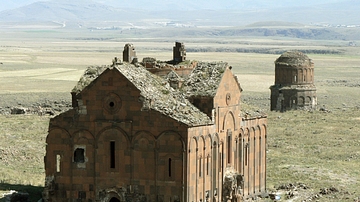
[[156, 133]]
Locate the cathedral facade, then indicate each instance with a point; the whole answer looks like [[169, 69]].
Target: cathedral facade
[[130, 136]]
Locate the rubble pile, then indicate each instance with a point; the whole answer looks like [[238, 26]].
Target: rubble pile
[[292, 186], [324, 192], [149, 62], [301, 192], [204, 79], [292, 189], [47, 107]]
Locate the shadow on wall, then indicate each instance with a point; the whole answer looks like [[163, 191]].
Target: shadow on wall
[[6, 190]]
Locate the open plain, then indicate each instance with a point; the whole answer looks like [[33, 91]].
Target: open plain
[[311, 155]]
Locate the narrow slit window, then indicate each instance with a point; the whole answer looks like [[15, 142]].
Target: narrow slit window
[[169, 167], [112, 154], [241, 153], [229, 149], [58, 163], [246, 153], [207, 165], [220, 162], [200, 167]]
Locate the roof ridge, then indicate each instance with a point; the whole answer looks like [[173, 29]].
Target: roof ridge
[[158, 95]]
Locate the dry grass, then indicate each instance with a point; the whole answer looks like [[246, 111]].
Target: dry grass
[[22, 150], [316, 148]]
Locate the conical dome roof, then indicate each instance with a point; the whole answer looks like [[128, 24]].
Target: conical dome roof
[[293, 58]]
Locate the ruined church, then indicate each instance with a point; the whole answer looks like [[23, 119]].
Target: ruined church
[[156, 132], [294, 83]]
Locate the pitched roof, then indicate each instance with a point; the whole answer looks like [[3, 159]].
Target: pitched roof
[[90, 74], [157, 93], [204, 79]]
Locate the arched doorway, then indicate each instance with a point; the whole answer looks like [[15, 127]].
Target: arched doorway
[[114, 200]]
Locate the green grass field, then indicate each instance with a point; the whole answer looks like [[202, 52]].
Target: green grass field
[[316, 148]]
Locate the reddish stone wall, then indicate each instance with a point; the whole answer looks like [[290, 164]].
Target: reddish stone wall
[[251, 152], [294, 87], [110, 146], [148, 147], [232, 143], [286, 75]]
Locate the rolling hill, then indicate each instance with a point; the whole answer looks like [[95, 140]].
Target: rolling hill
[[195, 13]]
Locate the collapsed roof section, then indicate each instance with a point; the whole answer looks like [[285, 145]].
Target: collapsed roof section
[[204, 80]]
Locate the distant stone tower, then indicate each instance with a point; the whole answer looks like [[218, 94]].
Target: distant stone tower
[[129, 53], [294, 83], [179, 52]]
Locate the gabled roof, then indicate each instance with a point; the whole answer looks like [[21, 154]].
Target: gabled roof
[[204, 80], [90, 74], [156, 92]]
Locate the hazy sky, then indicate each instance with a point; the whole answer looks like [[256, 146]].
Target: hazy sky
[[206, 4]]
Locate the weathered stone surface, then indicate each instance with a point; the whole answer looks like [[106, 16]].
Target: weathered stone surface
[[89, 75], [139, 138], [179, 52], [162, 97], [233, 184], [294, 83], [293, 58], [204, 79], [129, 53]]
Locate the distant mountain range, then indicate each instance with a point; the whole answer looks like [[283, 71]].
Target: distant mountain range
[[147, 13]]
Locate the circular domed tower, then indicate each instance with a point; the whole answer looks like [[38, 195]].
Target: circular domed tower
[[294, 82]]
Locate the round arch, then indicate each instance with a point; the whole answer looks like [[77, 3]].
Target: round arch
[[216, 138], [142, 136], [230, 115], [164, 133], [56, 133], [106, 129], [81, 135], [113, 199], [113, 195], [193, 141]]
